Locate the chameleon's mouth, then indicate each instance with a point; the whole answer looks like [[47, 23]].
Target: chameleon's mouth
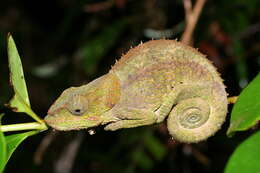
[[55, 123], [59, 122]]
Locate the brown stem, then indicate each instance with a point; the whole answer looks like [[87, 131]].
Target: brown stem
[[232, 100], [192, 16], [188, 8]]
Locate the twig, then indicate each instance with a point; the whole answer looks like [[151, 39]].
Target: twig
[[99, 6], [191, 16], [232, 100], [188, 8], [23, 126]]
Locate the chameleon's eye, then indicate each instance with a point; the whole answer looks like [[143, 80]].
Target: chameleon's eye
[[78, 105], [77, 112]]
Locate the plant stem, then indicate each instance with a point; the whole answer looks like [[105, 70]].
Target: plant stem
[[34, 116], [232, 100], [23, 126]]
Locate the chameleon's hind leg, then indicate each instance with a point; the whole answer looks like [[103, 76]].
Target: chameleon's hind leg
[[128, 118]]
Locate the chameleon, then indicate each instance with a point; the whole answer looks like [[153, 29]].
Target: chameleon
[[152, 82]]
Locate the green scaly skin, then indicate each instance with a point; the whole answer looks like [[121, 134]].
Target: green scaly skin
[[153, 81]]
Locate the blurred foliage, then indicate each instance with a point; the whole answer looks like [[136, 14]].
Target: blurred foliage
[[92, 51], [87, 36]]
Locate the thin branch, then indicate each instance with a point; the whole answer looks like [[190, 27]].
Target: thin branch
[[99, 6], [188, 8], [23, 126], [232, 100], [192, 16]]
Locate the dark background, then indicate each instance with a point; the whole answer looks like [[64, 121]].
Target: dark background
[[67, 43]]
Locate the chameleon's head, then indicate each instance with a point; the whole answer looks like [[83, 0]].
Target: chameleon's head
[[82, 107]]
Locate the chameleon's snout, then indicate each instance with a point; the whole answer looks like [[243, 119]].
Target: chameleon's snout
[[55, 122], [54, 119], [67, 122], [50, 121]]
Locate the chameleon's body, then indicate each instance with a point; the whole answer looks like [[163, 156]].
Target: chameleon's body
[[154, 80]]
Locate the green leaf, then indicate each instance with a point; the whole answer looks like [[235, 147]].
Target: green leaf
[[246, 111], [20, 102], [9, 144], [16, 73], [246, 157], [2, 148], [13, 141], [2, 152]]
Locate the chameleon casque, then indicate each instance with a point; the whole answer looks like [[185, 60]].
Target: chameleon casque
[[156, 80]]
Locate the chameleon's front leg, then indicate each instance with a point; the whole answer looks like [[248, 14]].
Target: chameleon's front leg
[[128, 118]]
